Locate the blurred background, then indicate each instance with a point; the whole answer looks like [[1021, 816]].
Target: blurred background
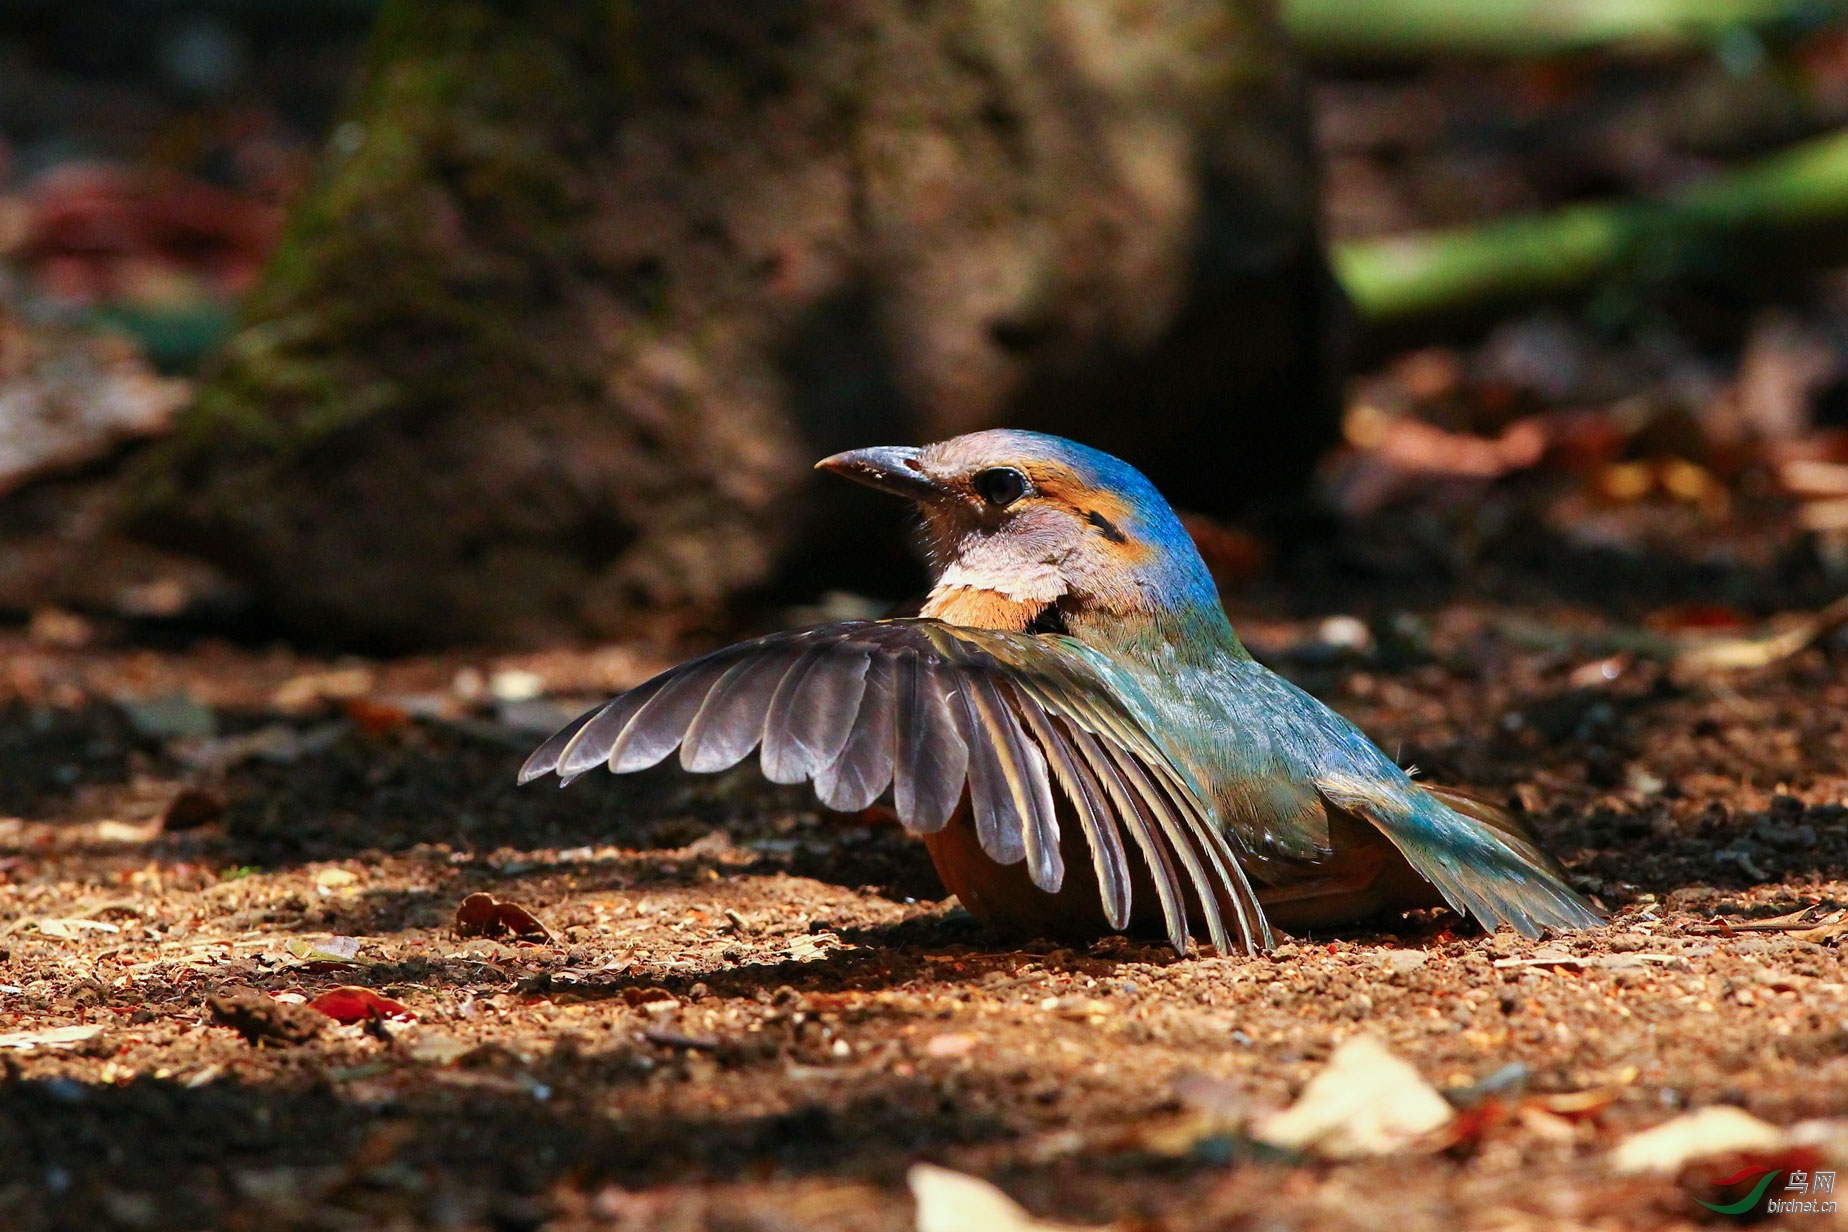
[[384, 382], [384, 326]]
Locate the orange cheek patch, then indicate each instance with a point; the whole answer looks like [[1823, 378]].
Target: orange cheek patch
[[980, 609]]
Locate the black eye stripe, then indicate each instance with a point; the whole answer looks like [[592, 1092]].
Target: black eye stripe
[[1106, 527], [1000, 486]]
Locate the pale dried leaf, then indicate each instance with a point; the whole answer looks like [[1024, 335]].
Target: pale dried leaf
[[70, 930], [1717, 1130], [1365, 1102], [950, 1201], [50, 1037]]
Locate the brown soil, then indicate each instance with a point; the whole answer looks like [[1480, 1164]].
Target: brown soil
[[754, 1016]]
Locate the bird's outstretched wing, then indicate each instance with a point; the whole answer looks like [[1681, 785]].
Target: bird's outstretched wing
[[926, 709]]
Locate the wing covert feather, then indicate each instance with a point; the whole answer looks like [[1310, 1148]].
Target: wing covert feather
[[929, 710]]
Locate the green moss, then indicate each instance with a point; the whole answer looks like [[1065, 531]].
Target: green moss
[[444, 196]]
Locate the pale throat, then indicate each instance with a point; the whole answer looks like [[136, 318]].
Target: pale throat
[[982, 596]]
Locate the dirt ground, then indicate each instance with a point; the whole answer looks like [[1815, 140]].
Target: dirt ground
[[755, 1016]]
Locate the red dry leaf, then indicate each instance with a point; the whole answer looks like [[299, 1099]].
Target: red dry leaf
[[92, 222], [350, 1003], [483, 915], [375, 718], [1467, 1130], [1705, 616]]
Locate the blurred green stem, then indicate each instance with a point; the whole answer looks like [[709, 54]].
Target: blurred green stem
[[1532, 27], [1399, 276]]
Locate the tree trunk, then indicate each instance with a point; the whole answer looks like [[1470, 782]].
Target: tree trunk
[[585, 288]]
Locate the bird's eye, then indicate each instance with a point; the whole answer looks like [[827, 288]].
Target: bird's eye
[[1000, 486]]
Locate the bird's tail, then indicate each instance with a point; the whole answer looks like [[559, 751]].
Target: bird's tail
[[1481, 857]]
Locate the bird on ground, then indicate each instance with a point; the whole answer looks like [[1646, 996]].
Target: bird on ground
[[1073, 694]]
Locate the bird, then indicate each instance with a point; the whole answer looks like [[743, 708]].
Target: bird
[[1071, 693]]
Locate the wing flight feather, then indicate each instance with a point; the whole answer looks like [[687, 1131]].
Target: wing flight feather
[[929, 710]]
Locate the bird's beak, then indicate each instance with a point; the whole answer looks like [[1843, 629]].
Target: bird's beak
[[890, 468]]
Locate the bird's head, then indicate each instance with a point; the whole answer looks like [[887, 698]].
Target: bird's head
[[1027, 531]]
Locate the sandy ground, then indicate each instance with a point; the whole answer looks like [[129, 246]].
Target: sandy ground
[[755, 1016]]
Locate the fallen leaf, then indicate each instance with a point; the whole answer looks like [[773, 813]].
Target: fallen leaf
[[1717, 1130], [70, 930], [1575, 1105], [309, 690], [1777, 641], [483, 915], [513, 684], [1801, 918], [338, 951], [50, 1037], [335, 878], [1466, 1131], [1704, 617], [1801, 925], [351, 1003], [1560, 961], [111, 830], [950, 1044], [951, 1201], [98, 230], [264, 1020], [432, 1049], [71, 397], [1544, 1124], [375, 718], [1365, 1102]]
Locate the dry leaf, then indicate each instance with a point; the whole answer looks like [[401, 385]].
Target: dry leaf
[[1365, 1102], [70, 397], [376, 718], [1779, 640], [338, 951], [350, 1003], [1574, 1105], [70, 930], [1717, 1130], [50, 1037], [110, 830], [1801, 925], [483, 915], [951, 1201], [950, 1044], [309, 690]]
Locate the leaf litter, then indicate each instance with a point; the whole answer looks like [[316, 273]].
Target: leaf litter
[[779, 994]]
